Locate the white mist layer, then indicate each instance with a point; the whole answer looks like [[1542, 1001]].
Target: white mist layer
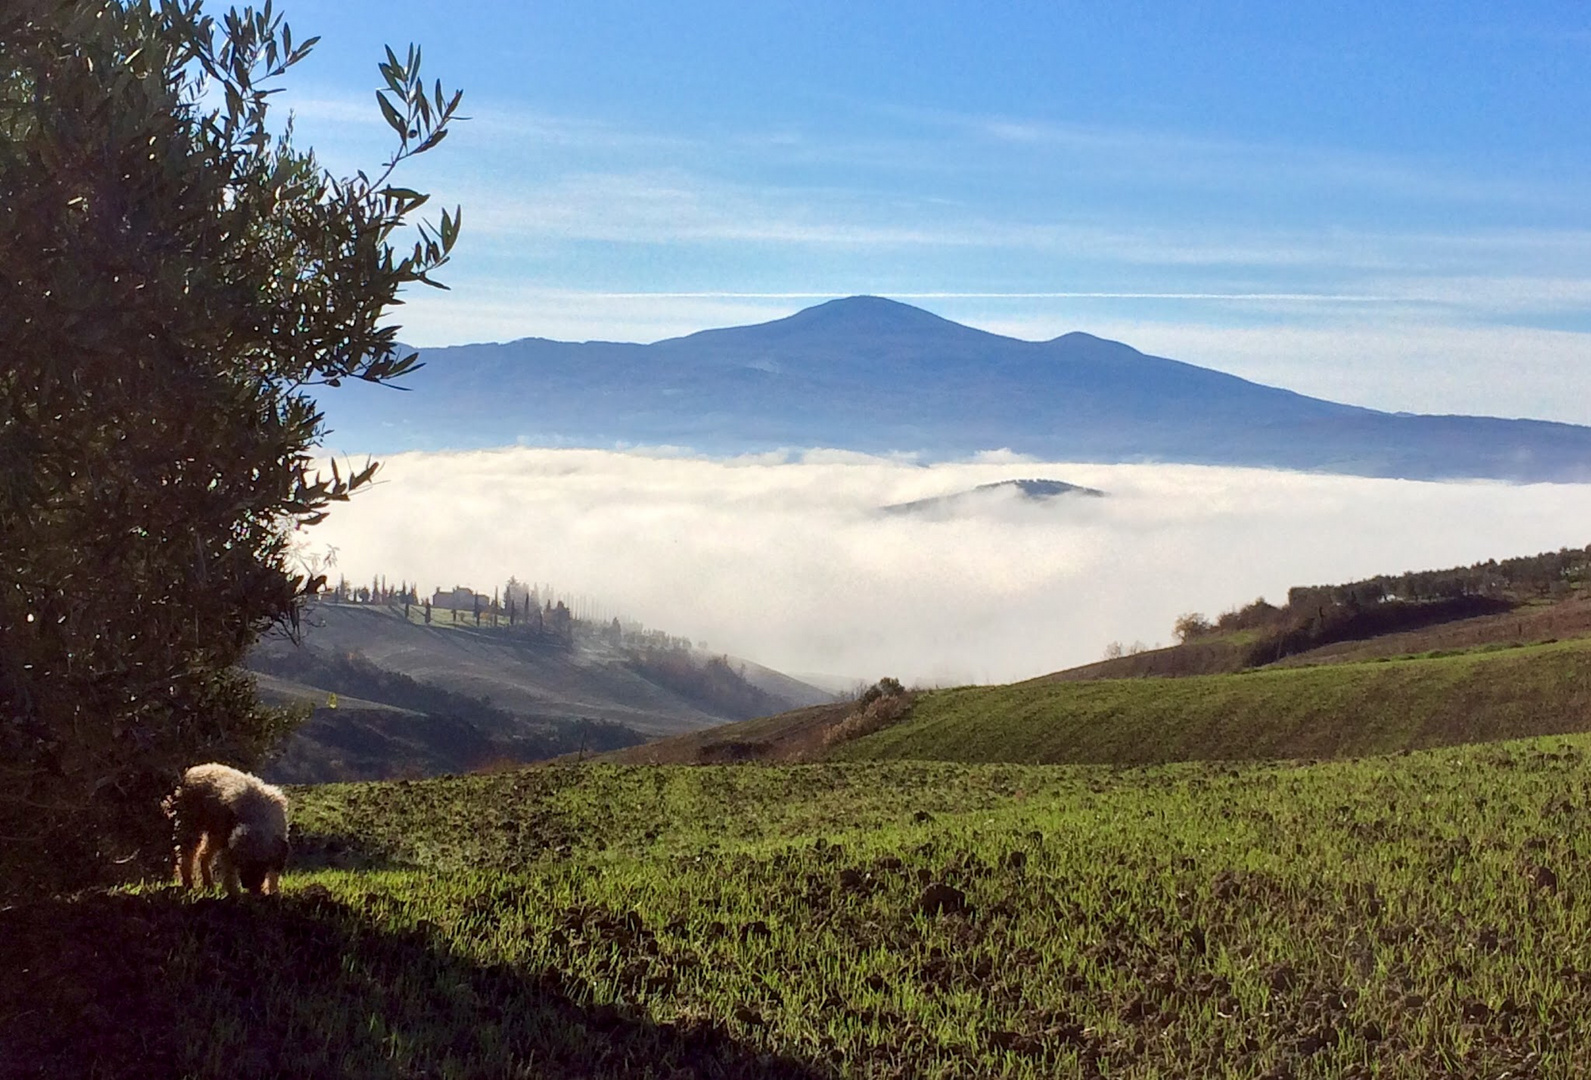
[[788, 561]]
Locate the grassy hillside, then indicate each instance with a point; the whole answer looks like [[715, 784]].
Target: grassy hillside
[[1512, 601], [1213, 655], [1396, 917], [1338, 710], [1237, 650], [1527, 624]]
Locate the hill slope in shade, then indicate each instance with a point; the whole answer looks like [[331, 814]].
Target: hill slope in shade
[[874, 375], [417, 700]]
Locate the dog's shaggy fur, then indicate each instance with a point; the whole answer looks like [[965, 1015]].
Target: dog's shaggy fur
[[230, 822]]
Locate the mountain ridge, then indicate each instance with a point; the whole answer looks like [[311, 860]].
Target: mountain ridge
[[877, 376]]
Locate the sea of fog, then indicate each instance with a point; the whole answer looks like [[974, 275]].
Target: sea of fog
[[787, 559]]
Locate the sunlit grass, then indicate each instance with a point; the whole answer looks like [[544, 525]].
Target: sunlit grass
[[1402, 916], [1389, 914], [1338, 710]]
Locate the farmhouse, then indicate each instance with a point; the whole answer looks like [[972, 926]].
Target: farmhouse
[[461, 599]]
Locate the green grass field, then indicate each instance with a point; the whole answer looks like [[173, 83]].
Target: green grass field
[[1403, 916], [1331, 711]]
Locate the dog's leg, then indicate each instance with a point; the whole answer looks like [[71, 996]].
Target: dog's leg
[[185, 854], [226, 868], [205, 857], [185, 839], [268, 888]]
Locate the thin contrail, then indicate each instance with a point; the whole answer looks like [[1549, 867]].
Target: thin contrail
[[1347, 298]]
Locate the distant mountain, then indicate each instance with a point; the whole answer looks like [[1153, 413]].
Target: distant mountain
[[875, 375], [1036, 491]]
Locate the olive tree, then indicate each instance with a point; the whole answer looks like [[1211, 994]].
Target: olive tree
[[176, 278]]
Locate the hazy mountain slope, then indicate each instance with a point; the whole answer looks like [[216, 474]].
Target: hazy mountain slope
[[780, 685], [347, 737], [418, 700], [517, 674], [874, 375]]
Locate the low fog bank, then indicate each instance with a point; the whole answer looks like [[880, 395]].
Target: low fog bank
[[788, 561]]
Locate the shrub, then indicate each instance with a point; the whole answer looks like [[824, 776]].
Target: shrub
[[881, 705]]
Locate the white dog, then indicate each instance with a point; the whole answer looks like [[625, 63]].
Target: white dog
[[228, 821]]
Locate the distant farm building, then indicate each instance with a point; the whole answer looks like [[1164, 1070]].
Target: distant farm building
[[461, 599]]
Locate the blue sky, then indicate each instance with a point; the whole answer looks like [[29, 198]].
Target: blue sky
[[1382, 204]]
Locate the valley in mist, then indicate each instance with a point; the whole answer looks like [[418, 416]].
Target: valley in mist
[[789, 559]]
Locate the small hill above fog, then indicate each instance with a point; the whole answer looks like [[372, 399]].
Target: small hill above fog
[[1028, 491], [873, 375]]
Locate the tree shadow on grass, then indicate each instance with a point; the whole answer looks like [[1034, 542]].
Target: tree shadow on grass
[[113, 985]]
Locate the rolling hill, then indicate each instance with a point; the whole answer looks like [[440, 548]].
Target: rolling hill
[[1340, 710], [1497, 650], [412, 699], [1332, 711], [874, 375]]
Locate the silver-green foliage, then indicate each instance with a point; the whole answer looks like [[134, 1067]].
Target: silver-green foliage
[[176, 275]]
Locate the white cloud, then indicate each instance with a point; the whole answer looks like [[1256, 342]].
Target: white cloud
[[785, 560], [1217, 162], [681, 205], [580, 228], [487, 123], [486, 310], [1494, 294], [1395, 365]]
